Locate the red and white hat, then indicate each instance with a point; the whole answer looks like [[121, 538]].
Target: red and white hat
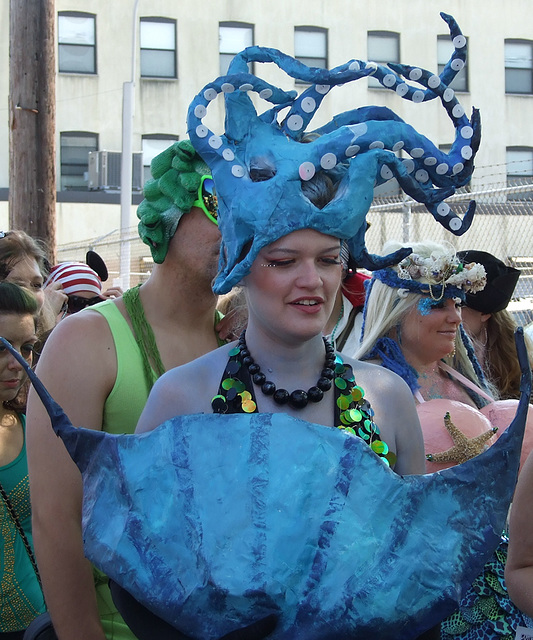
[[76, 277]]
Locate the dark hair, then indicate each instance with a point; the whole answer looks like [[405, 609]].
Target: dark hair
[[17, 300], [320, 190], [17, 245]]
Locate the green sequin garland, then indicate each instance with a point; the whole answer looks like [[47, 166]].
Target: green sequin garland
[[144, 336], [354, 414]]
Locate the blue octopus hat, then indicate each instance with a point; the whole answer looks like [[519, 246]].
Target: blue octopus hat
[[261, 160]]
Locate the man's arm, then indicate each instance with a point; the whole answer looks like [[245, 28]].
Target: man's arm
[[519, 566], [77, 366]]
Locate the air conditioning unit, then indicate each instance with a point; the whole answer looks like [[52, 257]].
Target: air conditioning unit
[[105, 167]]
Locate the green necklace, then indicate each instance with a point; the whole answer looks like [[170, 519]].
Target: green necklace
[[144, 336]]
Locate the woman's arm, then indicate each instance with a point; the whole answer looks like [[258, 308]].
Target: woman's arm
[[519, 567]]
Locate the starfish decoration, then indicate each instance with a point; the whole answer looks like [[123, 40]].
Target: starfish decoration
[[464, 447]]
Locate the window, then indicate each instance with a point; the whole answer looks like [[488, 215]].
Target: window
[[74, 151], [233, 37], [158, 48], [153, 145], [445, 50], [76, 35], [519, 171], [311, 46], [383, 47], [518, 66]]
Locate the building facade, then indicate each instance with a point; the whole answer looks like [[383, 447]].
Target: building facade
[[180, 46]]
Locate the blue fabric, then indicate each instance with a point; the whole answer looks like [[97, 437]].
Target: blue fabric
[[391, 355], [213, 522], [260, 161]]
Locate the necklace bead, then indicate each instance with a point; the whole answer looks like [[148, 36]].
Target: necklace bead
[[299, 398]]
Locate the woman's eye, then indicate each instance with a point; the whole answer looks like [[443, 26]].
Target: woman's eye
[[37, 285], [331, 261], [278, 263], [26, 350]]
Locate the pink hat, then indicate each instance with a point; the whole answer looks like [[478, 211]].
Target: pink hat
[[75, 278]]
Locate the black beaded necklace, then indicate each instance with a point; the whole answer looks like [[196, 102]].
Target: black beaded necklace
[[299, 398]]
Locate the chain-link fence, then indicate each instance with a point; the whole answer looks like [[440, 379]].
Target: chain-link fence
[[503, 225]]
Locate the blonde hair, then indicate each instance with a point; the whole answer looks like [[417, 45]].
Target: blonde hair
[[385, 311]]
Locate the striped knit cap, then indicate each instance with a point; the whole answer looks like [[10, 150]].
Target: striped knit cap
[[75, 277]]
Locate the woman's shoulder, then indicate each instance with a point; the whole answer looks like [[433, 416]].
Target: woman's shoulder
[[185, 390], [204, 373], [378, 377]]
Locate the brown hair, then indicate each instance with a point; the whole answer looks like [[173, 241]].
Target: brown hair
[[501, 360], [17, 245]]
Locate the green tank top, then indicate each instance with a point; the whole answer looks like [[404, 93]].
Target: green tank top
[[21, 598], [126, 401], [122, 411]]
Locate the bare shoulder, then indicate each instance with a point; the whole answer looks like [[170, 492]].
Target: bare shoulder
[[79, 331], [79, 354], [378, 379], [185, 390]]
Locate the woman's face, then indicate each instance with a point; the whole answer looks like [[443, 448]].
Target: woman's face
[[474, 322], [19, 330], [428, 338], [26, 273], [293, 282]]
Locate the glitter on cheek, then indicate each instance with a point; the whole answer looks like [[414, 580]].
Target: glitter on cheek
[[425, 305]]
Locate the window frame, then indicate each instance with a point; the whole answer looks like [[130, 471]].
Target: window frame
[[233, 25], [517, 178], [160, 20], [76, 14], [391, 35], [304, 59], [463, 74], [169, 137], [62, 163], [509, 68]]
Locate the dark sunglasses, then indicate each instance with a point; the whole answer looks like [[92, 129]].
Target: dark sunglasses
[[77, 303], [207, 199]]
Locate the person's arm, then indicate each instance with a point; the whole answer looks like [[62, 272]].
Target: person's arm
[[519, 566], [54, 299], [77, 366]]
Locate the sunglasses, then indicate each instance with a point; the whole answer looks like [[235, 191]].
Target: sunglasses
[[207, 199], [77, 303]]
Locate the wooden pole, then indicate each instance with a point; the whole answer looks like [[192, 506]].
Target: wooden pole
[[32, 175]]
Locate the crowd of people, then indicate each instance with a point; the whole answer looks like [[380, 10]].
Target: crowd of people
[[316, 330]]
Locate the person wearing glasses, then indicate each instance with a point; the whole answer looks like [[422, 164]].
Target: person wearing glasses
[[82, 283], [101, 364]]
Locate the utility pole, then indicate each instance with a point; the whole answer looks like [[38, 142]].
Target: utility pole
[[128, 109], [32, 175]]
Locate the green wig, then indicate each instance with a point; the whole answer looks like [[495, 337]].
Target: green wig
[[171, 192]]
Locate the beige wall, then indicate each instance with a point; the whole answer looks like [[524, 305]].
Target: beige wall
[[94, 103]]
